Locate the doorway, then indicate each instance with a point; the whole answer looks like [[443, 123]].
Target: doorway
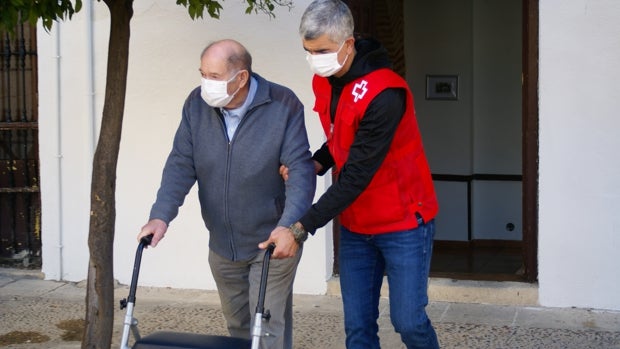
[[487, 186]]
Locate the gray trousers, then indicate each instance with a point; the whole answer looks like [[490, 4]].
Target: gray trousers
[[238, 283]]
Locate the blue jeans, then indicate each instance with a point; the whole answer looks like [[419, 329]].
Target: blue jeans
[[405, 257]]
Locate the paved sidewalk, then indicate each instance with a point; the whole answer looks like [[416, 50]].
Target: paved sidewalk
[[30, 304]]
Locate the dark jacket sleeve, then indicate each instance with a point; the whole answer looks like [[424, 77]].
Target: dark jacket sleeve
[[323, 157], [370, 146]]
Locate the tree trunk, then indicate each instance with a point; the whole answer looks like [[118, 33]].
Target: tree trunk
[[100, 284]]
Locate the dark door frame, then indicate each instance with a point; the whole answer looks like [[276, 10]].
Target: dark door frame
[[530, 138]]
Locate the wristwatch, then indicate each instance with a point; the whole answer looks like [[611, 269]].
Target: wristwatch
[[299, 233]]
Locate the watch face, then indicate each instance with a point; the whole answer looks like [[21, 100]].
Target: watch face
[[300, 234]]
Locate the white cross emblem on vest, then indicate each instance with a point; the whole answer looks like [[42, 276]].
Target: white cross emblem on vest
[[359, 90]]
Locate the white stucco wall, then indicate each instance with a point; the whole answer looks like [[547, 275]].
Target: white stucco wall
[[163, 69], [579, 212]]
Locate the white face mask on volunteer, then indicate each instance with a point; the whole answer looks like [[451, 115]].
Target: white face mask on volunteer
[[215, 92], [325, 64]]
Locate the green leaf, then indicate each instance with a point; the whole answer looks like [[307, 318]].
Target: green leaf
[[213, 8], [47, 24]]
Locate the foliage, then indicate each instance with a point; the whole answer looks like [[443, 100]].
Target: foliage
[[266, 6], [196, 7], [13, 12]]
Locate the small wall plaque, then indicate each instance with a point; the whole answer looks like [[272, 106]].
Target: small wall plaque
[[442, 87]]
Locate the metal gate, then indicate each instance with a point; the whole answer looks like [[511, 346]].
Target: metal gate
[[20, 200]]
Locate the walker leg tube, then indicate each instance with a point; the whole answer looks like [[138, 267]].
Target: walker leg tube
[[127, 324], [257, 330]]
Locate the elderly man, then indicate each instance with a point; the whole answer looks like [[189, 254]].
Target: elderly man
[[236, 130]]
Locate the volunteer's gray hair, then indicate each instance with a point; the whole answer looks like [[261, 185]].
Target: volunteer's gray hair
[[331, 17]]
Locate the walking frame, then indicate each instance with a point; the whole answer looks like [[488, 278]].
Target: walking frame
[[181, 340]]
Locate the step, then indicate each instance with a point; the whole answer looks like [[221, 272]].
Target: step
[[467, 291]]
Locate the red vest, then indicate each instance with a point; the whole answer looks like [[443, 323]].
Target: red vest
[[402, 185]]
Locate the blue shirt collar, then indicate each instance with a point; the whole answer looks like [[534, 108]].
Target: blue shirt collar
[[240, 111]]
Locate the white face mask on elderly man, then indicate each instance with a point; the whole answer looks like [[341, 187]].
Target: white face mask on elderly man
[[215, 92], [325, 64]]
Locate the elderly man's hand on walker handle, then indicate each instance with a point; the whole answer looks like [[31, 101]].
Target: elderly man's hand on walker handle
[[287, 240], [155, 227]]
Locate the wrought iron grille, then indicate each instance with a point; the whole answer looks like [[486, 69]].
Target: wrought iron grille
[[20, 201]]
